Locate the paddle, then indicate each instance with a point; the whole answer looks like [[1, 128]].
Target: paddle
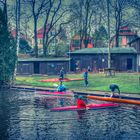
[[117, 100]]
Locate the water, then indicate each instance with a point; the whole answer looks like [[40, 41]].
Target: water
[[27, 116]]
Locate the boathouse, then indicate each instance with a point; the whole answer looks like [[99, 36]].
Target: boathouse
[[122, 59], [36, 66]]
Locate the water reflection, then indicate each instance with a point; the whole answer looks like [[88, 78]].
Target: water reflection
[[26, 115], [62, 101], [81, 113]]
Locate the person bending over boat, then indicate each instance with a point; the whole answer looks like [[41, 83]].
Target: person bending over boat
[[80, 102], [114, 89], [61, 87]]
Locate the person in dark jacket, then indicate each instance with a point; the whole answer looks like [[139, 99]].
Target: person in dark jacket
[[61, 74], [114, 89], [85, 75]]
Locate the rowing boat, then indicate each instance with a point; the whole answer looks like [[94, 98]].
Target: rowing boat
[[54, 93], [116, 100], [89, 106]]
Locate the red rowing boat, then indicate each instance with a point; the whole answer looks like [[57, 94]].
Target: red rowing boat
[[89, 106], [54, 93]]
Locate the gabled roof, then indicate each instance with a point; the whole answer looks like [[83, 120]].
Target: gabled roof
[[43, 59], [13, 33], [41, 31], [125, 31], [115, 50], [22, 35], [134, 40]]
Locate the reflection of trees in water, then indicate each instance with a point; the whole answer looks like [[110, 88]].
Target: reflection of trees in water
[[81, 113], [52, 101], [8, 109], [62, 101], [66, 101], [48, 102], [4, 115]]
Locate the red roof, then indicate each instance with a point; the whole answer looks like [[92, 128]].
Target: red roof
[[40, 35], [41, 31], [124, 28], [125, 31], [13, 33]]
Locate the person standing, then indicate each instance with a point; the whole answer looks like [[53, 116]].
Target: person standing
[[85, 75], [61, 74]]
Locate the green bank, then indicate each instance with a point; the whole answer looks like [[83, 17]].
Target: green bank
[[128, 82]]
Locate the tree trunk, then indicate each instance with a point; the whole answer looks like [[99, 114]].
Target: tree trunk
[[108, 19], [17, 37], [46, 46], [44, 39], [35, 37], [118, 21], [86, 24]]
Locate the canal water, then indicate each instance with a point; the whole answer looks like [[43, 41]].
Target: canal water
[[27, 116]]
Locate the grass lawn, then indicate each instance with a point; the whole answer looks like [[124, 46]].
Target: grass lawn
[[128, 82]]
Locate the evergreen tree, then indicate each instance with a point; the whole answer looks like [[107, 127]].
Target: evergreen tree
[[7, 52], [100, 37]]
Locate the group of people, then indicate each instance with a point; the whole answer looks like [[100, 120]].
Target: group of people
[[113, 87], [80, 102]]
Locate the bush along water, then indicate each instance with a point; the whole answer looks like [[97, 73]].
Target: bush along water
[[8, 55]]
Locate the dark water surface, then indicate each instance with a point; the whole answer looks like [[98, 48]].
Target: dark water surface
[[27, 116]]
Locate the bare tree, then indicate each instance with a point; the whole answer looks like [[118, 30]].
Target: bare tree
[[50, 21], [18, 24], [118, 7], [134, 19], [81, 13], [55, 18], [108, 19], [37, 8], [88, 17], [134, 3]]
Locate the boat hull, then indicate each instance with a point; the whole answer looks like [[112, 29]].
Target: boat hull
[[89, 106]]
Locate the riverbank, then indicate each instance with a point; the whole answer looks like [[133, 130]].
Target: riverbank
[[128, 82], [73, 93]]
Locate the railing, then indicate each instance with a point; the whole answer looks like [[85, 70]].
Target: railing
[[109, 71]]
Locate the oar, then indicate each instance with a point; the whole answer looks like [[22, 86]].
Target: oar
[[117, 100]]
